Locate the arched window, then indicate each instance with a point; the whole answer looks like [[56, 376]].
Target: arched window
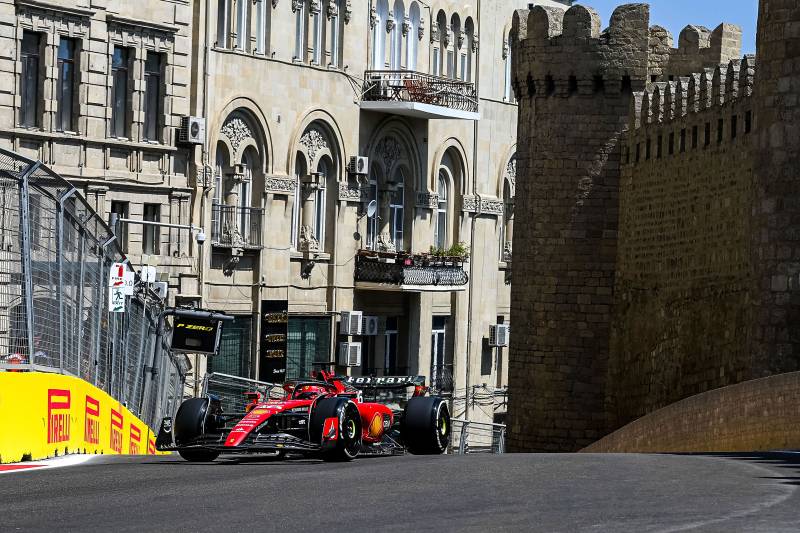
[[242, 24], [299, 31], [397, 210], [508, 94], [413, 36], [452, 54], [440, 233], [466, 71], [325, 169], [317, 169], [379, 35], [263, 25], [397, 36], [223, 12], [440, 47]]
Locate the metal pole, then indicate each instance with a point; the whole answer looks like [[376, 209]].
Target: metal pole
[[27, 262], [100, 306], [138, 368]]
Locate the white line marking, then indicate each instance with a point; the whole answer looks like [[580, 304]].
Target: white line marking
[[46, 464]]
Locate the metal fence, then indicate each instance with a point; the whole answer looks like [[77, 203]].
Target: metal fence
[[55, 257], [477, 437], [231, 390]]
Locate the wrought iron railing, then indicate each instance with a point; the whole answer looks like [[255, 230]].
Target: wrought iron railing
[[236, 226], [442, 379], [410, 86], [399, 270]]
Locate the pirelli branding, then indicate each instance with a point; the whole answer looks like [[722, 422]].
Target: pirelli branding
[[91, 429], [135, 444], [195, 335], [116, 431], [58, 421]]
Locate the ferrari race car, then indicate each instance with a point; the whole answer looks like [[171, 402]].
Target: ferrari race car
[[326, 417]]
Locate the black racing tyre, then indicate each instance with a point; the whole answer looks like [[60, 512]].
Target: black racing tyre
[[189, 425], [348, 441], [426, 425]]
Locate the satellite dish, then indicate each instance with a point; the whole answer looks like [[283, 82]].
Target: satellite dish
[[372, 208]]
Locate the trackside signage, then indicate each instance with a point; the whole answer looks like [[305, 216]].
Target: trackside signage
[[53, 414], [195, 335]]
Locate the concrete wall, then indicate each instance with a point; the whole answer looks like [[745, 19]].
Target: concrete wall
[[757, 415]]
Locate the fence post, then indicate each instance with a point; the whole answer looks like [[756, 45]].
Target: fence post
[[27, 261], [501, 446], [462, 442], [101, 305], [60, 287]]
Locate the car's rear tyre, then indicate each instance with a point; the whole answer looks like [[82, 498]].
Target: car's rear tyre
[[190, 423], [348, 440], [426, 425]]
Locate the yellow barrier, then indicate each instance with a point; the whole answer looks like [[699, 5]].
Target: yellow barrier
[[44, 415]]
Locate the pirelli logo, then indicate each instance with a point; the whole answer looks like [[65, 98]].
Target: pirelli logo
[[134, 447], [116, 431], [91, 430], [194, 327], [58, 422]]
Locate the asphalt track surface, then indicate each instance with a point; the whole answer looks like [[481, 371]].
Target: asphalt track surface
[[550, 493]]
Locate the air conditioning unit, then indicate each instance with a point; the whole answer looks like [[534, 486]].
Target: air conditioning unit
[[349, 354], [161, 288], [351, 323], [498, 335], [358, 165], [193, 130], [371, 325]]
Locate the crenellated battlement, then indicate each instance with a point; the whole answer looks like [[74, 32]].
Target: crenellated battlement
[[562, 53], [698, 48], [663, 102]]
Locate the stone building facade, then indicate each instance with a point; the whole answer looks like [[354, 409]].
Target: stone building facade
[[96, 90], [292, 91], [654, 218]]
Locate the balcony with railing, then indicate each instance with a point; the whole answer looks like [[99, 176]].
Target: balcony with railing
[[420, 95], [409, 273], [236, 227]]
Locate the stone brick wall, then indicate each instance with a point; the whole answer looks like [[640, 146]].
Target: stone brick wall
[[757, 415], [698, 49], [682, 294], [574, 89]]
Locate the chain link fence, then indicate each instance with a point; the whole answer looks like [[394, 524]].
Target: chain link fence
[[55, 256]]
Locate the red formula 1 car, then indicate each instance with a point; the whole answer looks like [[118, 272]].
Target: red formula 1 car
[[327, 417]]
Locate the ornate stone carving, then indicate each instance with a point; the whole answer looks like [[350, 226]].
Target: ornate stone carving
[[426, 200], [351, 193], [333, 9], [280, 185], [475, 43], [237, 131], [406, 26], [348, 11], [507, 252], [506, 50], [434, 31], [389, 150], [313, 141], [421, 29], [373, 17], [314, 7], [274, 4], [492, 207], [461, 37], [390, 24], [297, 5], [447, 37], [511, 172], [385, 242], [470, 204], [308, 242]]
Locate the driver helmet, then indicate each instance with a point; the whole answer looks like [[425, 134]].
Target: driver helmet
[[308, 392]]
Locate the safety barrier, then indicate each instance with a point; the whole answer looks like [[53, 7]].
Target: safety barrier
[[477, 437], [45, 415]]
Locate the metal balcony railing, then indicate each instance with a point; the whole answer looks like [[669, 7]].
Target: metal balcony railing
[[415, 271], [418, 87], [442, 379], [238, 227]]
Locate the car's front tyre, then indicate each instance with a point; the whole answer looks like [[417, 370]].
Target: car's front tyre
[[190, 423], [426, 425], [347, 442]]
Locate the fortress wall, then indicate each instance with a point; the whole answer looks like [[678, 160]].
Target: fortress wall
[[682, 299]]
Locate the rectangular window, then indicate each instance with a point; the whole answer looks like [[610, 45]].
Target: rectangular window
[[308, 342], [152, 97], [683, 140], [647, 149], [65, 90], [119, 103], [396, 221], [436, 66], [121, 229], [487, 353], [707, 134], [29, 109], [222, 23], [151, 236], [660, 145], [299, 33], [451, 65], [462, 71], [235, 349], [391, 337], [720, 130]]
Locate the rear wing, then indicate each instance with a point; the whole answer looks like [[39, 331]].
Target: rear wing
[[383, 382]]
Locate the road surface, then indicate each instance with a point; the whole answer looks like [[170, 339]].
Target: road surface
[[552, 493]]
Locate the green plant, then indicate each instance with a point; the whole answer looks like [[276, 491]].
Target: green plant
[[459, 249]]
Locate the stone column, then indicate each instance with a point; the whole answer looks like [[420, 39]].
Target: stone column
[[385, 238], [230, 223], [308, 239], [96, 196]]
